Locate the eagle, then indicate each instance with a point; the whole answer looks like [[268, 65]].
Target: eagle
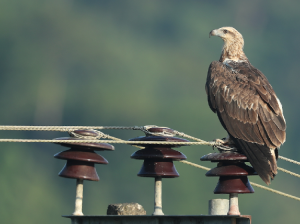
[[246, 105]]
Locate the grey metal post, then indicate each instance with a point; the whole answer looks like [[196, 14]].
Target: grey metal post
[[218, 206]]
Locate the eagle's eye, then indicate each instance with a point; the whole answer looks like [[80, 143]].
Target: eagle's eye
[[225, 31]]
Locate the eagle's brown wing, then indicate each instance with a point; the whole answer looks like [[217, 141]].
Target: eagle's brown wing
[[249, 110]]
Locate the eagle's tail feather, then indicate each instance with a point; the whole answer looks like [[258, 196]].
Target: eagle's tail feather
[[261, 158]]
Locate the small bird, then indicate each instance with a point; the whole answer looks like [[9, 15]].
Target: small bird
[[246, 105]]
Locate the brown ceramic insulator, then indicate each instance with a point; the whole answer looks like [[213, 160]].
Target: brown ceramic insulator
[[226, 156], [158, 138], [158, 168], [85, 146], [158, 159], [227, 185], [87, 156], [79, 170], [237, 169], [233, 172], [158, 153]]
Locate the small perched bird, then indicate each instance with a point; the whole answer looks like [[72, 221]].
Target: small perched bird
[[246, 105]]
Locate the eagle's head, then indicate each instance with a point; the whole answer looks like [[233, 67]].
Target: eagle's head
[[233, 43]]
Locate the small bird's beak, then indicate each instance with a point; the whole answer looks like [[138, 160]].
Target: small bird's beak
[[212, 33]]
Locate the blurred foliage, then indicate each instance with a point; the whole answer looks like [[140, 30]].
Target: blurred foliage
[[130, 62]]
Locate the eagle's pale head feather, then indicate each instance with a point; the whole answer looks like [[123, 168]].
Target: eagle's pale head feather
[[233, 43]]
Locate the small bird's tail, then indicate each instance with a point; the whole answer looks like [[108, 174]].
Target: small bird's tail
[[262, 158]]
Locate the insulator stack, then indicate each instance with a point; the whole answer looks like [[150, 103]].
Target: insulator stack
[[232, 172], [81, 159], [158, 160]]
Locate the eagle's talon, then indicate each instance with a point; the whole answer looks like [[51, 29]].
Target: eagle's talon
[[225, 144], [222, 141]]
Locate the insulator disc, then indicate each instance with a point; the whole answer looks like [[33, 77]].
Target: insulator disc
[[85, 145], [159, 138], [88, 156], [238, 169], [160, 153], [227, 185], [232, 156], [79, 170], [163, 168]]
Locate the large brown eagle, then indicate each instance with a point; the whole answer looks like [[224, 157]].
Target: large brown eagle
[[246, 105]]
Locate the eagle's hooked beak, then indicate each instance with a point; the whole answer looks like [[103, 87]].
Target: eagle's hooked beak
[[212, 33]]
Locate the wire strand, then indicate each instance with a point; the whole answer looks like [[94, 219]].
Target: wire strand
[[289, 160], [289, 172], [108, 141]]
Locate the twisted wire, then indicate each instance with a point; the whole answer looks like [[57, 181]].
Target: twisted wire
[[289, 172], [275, 191], [106, 141], [289, 160], [56, 128]]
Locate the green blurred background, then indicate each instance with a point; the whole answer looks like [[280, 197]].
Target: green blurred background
[[133, 62]]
